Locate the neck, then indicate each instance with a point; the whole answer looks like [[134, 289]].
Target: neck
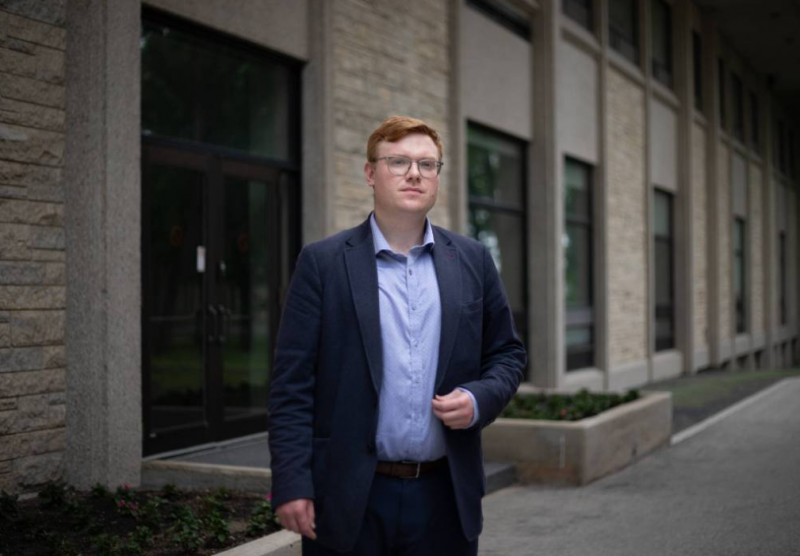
[[401, 232]]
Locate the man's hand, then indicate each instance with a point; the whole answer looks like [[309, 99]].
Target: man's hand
[[298, 516], [455, 409]]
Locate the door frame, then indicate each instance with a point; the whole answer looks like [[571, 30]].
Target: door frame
[[216, 164]]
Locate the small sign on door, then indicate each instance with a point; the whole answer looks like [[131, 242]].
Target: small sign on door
[[201, 258]]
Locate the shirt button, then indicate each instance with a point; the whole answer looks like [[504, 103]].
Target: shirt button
[[411, 272], [413, 307]]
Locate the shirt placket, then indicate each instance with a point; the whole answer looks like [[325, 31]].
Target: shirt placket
[[413, 335]]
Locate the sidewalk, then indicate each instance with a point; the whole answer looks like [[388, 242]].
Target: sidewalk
[[731, 489]]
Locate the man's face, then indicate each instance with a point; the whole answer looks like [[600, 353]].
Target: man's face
[[410, 193]]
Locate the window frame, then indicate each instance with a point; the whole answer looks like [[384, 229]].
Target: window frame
[[628, 47], [581, 12], [737, 104], [581, 316], [721, 77], [662, 310], [755, 131], [697, 70], [740, 267], [520, 210], [662, 70]]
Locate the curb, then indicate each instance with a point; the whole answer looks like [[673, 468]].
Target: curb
[[728, 411], [282, 543]]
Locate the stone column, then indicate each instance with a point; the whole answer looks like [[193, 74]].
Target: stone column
[[102, 222], [546, 290]]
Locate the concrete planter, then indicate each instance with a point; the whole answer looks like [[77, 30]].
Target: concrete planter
[[579, 452], [282, 543]]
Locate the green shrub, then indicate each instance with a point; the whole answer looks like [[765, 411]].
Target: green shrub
[[564, 407], [187, 531]]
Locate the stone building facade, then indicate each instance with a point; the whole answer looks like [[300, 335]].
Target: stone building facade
[[538, 100]]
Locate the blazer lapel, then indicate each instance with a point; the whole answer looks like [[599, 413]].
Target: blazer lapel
[[362, 272], [448, 275]]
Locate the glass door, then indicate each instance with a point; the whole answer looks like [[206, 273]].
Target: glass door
[[219, 237]]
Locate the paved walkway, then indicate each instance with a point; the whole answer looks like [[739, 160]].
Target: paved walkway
[[731, 489]]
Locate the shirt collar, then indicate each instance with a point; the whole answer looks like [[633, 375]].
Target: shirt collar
[[381, 244]]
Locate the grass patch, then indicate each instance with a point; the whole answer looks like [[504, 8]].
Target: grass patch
[[564, 407]]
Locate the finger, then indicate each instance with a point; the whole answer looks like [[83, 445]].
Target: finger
[[312, 518], [288, 521], [448, 404], [306, 529]]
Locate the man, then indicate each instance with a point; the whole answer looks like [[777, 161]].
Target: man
[[396, 347]]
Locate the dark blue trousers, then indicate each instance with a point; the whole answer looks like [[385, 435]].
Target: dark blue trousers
[[408, 517]]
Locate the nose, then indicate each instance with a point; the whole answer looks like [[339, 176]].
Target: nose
[[413, 172]]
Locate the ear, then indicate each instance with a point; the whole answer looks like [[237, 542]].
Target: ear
[[369, 174]]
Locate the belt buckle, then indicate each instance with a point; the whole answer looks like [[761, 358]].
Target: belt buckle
[[417, 463]]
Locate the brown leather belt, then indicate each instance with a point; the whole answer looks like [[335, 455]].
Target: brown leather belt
[[409, 469]]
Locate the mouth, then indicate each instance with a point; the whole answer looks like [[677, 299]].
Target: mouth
[[412, 190]]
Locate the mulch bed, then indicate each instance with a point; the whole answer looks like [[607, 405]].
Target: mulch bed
[[128, 522]]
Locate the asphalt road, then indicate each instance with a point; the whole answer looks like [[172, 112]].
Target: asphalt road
[[731, 489]]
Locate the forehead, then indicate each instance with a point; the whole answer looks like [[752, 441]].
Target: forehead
[[415, 145]]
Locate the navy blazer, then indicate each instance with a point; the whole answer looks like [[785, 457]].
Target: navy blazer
[[324, 395]]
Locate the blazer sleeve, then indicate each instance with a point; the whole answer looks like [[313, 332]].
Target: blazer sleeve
[[503, 356], [291, 398]]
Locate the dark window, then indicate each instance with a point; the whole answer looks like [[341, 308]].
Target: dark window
[[755, 123], [782, 268], [578, 261], [662, 42], [496, 184], [664, 275], [216, 93], [721, 80], [580, 11], [500, 13], [697, 58], [740, 273], [624, 28], [791, 154], [781, 146], [737, 94]]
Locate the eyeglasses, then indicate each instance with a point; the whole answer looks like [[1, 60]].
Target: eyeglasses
[[400, 165]]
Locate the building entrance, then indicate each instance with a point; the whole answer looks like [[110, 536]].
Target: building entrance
[[220, 229]]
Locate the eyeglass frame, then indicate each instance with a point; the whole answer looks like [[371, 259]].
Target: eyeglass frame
[[411, 162]]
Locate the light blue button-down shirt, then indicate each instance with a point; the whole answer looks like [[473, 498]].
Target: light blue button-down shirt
[[411, 324]]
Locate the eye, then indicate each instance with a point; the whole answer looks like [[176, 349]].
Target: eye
[[428, 165], [398, 162]]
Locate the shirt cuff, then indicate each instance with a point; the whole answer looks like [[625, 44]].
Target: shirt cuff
[[475, 412]]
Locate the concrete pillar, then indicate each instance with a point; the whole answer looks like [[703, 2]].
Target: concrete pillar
[[684, 87], [546, 293], [770, 232], [319, 170], [102, 221]]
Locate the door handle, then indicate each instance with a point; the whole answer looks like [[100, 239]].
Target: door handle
[[225, 319], [212, 322]]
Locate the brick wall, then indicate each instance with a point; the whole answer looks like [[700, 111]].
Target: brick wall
[[627, 236], [32, 256], [756, 247], [700, 247], [724, 224], [387, 61]]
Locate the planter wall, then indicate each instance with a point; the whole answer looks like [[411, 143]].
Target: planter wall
[[282, 543], [578, 452]]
